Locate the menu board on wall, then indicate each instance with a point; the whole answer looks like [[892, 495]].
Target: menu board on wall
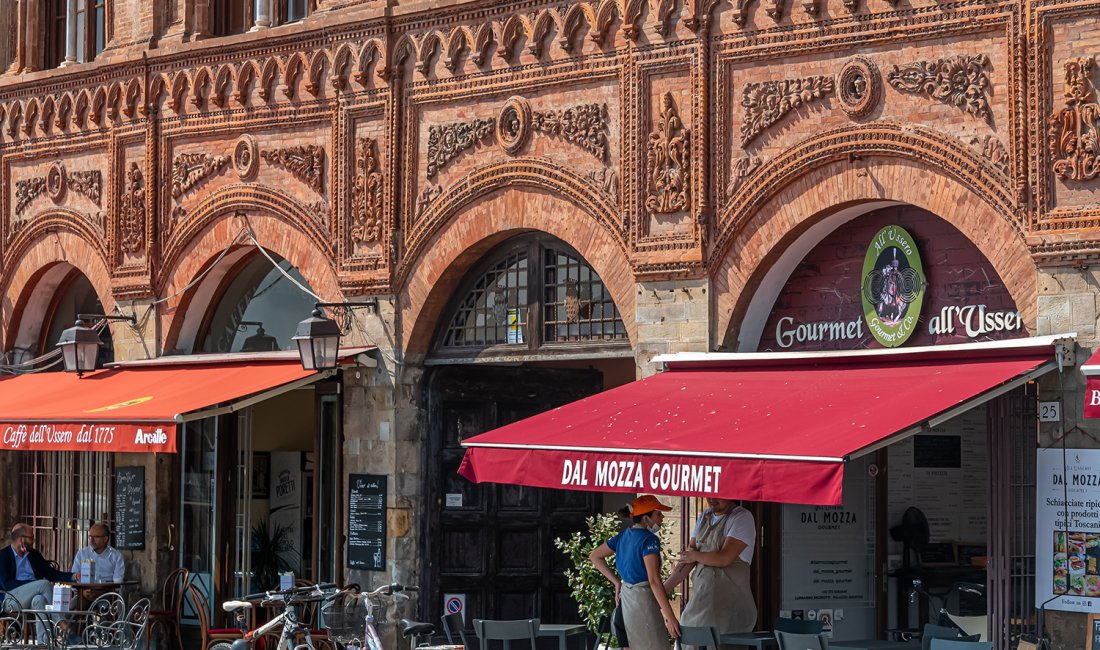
[[1067, 529], [829, 551], [944, 473], [129, 508], [367, 522]]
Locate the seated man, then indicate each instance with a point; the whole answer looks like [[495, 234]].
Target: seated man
[[24, 573], [108, 562]]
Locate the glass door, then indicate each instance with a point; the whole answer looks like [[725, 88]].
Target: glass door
[[198, 493], [242, 564]]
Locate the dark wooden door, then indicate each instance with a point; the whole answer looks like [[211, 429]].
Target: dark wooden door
[[495, 543]]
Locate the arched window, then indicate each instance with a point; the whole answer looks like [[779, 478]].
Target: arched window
[[75, 295], [259, 309], [533, 292]]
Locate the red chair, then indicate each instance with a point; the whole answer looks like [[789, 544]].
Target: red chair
[[210, 635]]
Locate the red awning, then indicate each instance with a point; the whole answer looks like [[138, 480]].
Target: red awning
[[136, 407], [762, 427]]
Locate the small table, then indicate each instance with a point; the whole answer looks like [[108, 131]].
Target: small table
[[758, 640], [563, 631], [873, 644]]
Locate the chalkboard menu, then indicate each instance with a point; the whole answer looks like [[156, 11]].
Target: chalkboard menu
[[367, 522], [1094, 632], [937, 451], [130, 508]]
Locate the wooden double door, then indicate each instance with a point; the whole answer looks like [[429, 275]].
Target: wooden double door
[[494, 544]]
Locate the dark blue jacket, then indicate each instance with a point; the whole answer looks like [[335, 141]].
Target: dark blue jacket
[[39, 566]]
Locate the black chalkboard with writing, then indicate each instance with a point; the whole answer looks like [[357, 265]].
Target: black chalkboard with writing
[[367, 522], [130, 508], [936, 451], [1094, 632]]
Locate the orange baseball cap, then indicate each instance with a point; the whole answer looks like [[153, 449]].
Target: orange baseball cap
[[646, 504]]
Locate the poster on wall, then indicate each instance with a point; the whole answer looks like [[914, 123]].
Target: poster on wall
[[829, 551], [1067, 530], [286, 502]]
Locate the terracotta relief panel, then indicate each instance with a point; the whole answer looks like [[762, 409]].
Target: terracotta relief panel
[[667, 181], [1070, 119], [66, 188]]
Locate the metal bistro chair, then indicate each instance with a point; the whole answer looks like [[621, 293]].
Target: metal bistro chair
[[936, 632], [121, 633], [795, 641], [703, 637], [523, 629], [956, 644], [798, 626], [453, 626], [12, 625]]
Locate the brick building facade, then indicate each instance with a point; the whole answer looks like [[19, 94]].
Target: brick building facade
[[683, 150]]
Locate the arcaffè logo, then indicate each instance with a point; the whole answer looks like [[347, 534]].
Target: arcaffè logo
[[893, 286]]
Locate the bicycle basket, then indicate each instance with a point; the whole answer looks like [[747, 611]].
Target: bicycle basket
[[345, 619]]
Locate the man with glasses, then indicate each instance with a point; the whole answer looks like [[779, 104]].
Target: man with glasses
[[24, 573], [98, 561]]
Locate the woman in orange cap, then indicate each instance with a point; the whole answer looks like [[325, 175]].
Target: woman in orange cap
[[638, 588]]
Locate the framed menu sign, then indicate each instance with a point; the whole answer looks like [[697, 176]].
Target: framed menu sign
[[129, 508], [367, 522]]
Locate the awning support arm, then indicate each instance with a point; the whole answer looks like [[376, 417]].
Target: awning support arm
[[255, 399]]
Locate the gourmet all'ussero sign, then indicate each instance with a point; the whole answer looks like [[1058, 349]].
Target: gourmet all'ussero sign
[[921, 283]]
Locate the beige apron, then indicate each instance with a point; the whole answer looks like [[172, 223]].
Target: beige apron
[[645, 625], [720, 596]]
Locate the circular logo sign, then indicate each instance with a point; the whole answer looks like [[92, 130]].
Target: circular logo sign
[[893, 286]]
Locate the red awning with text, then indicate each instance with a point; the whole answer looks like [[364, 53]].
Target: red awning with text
[[762, 427], [131, 409], [1091, 370]]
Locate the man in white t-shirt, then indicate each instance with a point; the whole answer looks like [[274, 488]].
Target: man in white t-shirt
[[722, 543], [107, 560]]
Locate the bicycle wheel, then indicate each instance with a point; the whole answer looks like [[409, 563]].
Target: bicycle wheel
[[221, 645]]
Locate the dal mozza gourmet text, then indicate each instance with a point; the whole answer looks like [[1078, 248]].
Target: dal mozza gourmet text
[[641, 475]]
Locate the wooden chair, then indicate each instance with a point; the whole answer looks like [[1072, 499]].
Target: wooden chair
[[167, 617], [506, 631], [210, 635], [795, 641], [703, 637], [453, 626]]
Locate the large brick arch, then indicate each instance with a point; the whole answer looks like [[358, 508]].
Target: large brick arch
[[49, 255], [273, 232], [448, 256], [838, 190]]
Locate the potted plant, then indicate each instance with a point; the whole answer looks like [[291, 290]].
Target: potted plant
[[594, 595], [271, 554]]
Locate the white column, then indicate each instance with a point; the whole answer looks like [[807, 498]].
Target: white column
[[70, 33], [263, 15]]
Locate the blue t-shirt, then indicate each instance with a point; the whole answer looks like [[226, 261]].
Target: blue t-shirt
[[630, 547]]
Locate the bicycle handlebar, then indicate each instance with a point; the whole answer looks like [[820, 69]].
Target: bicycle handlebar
[[284, 594], [384, 590]]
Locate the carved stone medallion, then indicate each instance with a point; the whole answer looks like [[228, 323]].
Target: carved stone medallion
[[56, 182], [246, 158], [859, 87], [514, 125]]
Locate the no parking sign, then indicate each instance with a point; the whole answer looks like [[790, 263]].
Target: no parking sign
[[455, 604]]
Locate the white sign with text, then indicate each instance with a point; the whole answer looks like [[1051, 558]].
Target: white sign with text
[[1067, 529]]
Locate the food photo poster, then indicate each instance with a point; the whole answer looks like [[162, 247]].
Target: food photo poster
[[1067, 529]]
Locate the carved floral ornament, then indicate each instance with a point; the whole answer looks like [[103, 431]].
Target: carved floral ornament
[[447, 141], [366, 193], [668, 163], [304, 162], [1074, 131], [766, 103], [131, 213], [960, 81], [190, 169], [56, 183]]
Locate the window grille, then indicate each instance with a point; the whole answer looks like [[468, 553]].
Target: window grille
[[531, 293], [62, 493]]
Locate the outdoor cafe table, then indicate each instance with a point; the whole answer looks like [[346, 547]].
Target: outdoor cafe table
[[562, 631], [873, 644]]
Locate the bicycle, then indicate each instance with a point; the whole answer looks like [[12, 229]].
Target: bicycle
[[293, 636], [350, 620]]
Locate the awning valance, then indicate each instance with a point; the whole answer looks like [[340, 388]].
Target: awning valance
[[763, 427], [137, 407]]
